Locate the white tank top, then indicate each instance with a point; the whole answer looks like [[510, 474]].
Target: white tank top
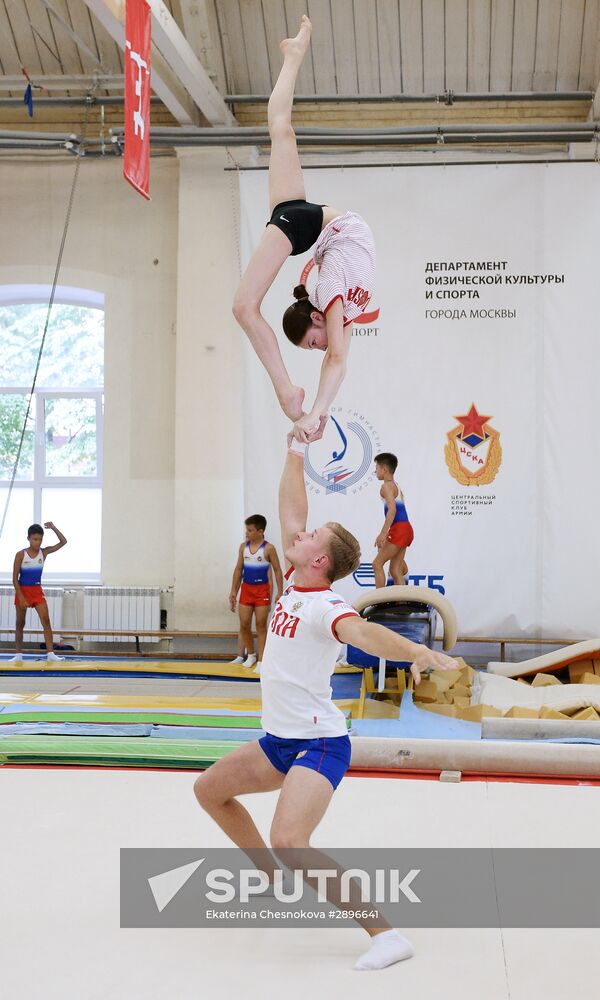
[[299, 658]]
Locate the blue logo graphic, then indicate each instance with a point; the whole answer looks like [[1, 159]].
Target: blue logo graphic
[[343, 457], [365, 577]]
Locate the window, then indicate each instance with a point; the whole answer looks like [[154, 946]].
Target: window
[[59, 477]]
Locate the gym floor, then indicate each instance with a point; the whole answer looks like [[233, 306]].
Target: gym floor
[[61, 831]]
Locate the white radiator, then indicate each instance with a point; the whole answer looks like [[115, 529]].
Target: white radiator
[[127, 608], [54, 599]]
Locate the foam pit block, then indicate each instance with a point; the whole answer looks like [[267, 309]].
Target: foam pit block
[[442, 682], [426, 691], [450, 710], [586, 713], [544, 680], [475, 713], [551, 713], [579, 668], [467, 673], [460, 691]]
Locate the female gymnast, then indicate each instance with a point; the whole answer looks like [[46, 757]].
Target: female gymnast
[[344, 251]]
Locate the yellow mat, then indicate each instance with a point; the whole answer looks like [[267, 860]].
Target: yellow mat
[[191, 667], [128, 701], [373, 709]]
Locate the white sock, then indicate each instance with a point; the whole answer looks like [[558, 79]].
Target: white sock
[[53, 656], [16, 659], [250, 660], [386, 948], [238, 659], [258, 666]]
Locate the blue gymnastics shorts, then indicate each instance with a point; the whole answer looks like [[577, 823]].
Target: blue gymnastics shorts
[[330, 756]]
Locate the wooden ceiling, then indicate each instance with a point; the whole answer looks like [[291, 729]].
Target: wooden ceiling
[[360, 49]]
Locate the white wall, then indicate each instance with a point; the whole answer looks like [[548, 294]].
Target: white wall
[[111, 246], [208, 406], [172, 446]]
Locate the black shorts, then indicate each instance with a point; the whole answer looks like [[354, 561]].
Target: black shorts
[[301, 221]]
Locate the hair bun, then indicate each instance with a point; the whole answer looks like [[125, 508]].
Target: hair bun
[[300, 292]]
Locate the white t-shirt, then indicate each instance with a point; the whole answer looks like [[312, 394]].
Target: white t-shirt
[[299, 658], [345, 253]]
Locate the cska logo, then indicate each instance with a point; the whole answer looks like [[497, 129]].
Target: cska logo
[[473, 452]]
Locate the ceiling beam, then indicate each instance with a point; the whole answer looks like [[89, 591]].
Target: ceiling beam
[[165, 83], [200, 26], [181, 57]]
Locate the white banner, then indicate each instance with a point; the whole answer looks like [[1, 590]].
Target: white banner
[[478, 367]]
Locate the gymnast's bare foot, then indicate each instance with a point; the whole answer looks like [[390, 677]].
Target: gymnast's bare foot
[[297, 46], [291, 403]]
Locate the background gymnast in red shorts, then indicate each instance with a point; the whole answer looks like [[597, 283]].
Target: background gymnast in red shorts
[[397, 533]]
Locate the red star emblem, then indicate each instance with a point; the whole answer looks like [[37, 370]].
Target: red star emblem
[[472, 422]]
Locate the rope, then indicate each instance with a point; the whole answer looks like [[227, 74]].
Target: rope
[[235, 200], [80, 154]]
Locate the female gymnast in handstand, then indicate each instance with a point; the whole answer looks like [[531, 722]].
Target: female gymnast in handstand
[[343, 250]]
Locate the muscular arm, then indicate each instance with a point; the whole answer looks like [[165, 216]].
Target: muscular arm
[[237, 578], [61, 540], [293, 504], [390, 498], [333, 370], [276, 569], [16, 571], [387, 645]]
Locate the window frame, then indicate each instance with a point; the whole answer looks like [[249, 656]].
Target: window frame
[[40, 481]]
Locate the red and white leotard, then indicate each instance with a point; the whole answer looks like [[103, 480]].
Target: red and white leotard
[[255, 577], [30, 579], [345, 253]]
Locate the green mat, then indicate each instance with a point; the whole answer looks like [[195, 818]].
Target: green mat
[[112, 751], [127, 718]]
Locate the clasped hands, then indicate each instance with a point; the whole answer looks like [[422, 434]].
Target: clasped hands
[[307, 427]]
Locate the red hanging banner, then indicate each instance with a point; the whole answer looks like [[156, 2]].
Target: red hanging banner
[[136, 165]]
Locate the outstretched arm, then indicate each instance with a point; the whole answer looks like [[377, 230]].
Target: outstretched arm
[[333, 371], [293, 503], [388, 645], [61, 539]]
